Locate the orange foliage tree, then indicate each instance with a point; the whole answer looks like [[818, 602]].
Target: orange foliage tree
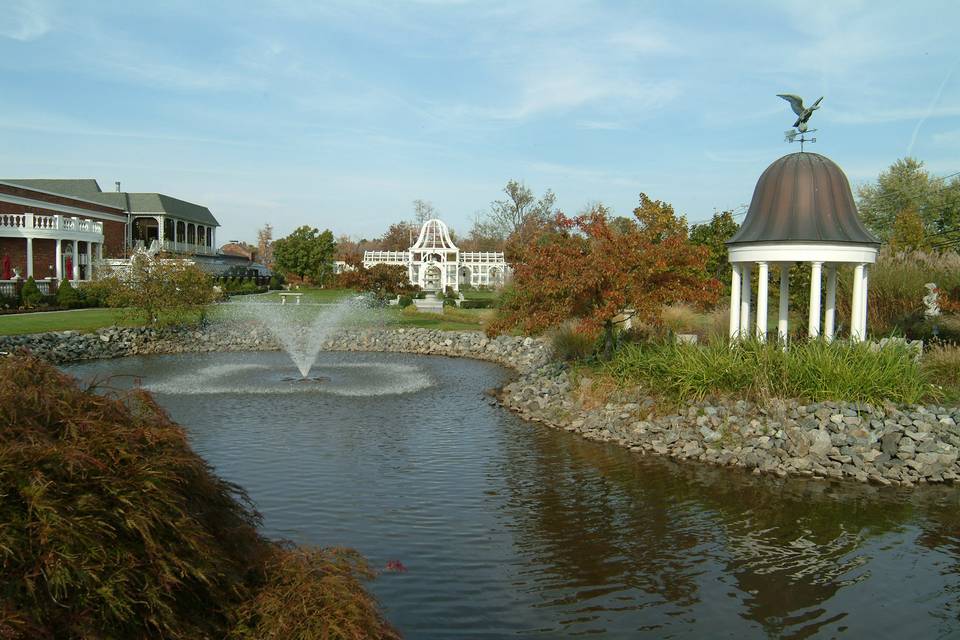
[[601, 274]]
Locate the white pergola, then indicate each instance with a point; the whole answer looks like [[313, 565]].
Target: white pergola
[[803, 212]]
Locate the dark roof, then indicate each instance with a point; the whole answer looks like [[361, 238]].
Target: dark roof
[[88, 189], [80, 187], [803, 197]]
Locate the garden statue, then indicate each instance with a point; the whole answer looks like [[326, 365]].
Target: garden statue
[[930, 302]]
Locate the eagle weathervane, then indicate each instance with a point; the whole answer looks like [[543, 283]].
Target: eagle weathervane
[[803, 116]]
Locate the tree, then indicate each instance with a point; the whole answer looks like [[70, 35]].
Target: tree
[[908, 232], [383, 280], [713, 235], [589, 271], [306, 252], [423, 211], [161, 291], [265, 244], [519, 209], [907, 186], [398, 237]]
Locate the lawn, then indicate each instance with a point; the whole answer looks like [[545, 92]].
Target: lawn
[[92, 319], [76, 320]]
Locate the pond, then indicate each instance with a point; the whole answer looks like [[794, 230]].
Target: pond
[[513, 530]]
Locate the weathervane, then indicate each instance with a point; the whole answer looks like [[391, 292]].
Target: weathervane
[[803, 115]]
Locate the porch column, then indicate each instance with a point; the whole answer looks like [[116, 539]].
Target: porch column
[[29, 256], [830, 311], [783, 319], [816, 276], [735, 301], [58, 256], [863, 305], [160, 224], [745, 300], [76, 261], [856, 303], [99, 251], [763, 277]]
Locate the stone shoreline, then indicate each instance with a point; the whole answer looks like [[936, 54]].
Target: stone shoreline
[[884, 445]]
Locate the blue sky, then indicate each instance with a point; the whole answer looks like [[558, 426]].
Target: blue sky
[[339, 114]]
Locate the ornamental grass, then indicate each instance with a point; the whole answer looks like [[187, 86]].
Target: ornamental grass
[[112, 527], [812, 371]]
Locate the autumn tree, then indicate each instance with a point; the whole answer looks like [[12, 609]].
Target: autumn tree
[[160, 291], [398, 237], [307, 252], [908, 232], [265, 244], [713, 235], [520, 207], [589, 271], [383, 280], [907, 186]]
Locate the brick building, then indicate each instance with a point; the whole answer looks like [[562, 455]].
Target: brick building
[[48, 234]]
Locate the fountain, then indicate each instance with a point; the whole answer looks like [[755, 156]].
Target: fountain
[[300, 329]]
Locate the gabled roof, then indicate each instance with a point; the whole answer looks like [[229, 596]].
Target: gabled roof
[[89, 189]]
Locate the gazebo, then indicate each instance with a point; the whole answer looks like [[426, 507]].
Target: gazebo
[[802, 212]]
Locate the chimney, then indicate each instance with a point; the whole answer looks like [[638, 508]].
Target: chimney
[[118, 185]]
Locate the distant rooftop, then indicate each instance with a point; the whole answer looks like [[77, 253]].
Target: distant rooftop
[[136, 203]]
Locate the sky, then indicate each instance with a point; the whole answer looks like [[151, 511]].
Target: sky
[[339, 114]]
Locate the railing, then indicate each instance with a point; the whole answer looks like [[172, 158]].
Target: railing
[[28, 221], [11, 288], [185, 247]]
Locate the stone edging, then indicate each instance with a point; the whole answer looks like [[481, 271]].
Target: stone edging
[[886, 445]]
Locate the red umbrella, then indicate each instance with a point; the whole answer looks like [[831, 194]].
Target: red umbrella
[[69, 274], [6, 267]]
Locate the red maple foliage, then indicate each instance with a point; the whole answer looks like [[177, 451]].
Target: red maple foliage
[[600, 274]]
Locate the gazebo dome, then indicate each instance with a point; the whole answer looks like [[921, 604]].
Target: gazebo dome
[[803, 197]]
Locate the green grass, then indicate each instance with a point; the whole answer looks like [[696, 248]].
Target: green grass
[[76, 320], [311, 295], [477, 294], [451, 320], [817, 371]]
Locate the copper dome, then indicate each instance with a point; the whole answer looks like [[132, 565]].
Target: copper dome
[[803, 197]]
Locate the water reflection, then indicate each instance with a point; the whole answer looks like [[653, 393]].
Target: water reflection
[[513, 530]]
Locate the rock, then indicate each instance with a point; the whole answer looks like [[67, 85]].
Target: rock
[[819, 442]]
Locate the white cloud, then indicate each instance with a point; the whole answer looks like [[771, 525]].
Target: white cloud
[[25, 20]]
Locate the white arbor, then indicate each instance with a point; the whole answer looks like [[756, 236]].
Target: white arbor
[[802, 212]]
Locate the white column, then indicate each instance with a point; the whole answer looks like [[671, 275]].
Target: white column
[[58, 256], [830, 310], [99, 251], [763, 277], [863, 305], [29, 256], [856, 303], [745, 292], [735, 301], [783, 320], [160, 224], [76, 261], [816, 276]]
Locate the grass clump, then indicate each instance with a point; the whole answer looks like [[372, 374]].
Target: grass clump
[[571, 343], [112, 527], [815, 371], [941, 363]]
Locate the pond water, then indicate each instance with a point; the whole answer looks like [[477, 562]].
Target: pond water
[[514, 530]]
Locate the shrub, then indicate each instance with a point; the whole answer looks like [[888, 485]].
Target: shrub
[[896, 287], [477, 304], [97, 292], [276, 281], [942, 364], [163, 292], [30, 294], [68, 296], [815, 370], [111, 527], [571, 343], [404, 302]]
